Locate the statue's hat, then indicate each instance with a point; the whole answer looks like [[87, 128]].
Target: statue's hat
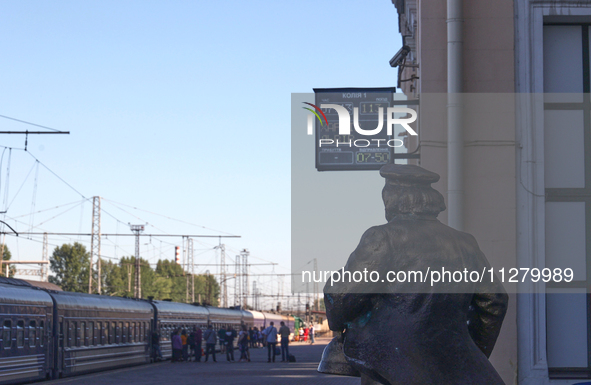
[[408, 173]]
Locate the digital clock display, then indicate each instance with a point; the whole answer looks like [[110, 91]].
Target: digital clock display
[[353, 151]]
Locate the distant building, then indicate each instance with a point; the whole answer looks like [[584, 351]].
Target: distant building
[[526, 183], [44, 285]]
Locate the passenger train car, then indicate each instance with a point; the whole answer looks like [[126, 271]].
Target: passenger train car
[[52, 334]]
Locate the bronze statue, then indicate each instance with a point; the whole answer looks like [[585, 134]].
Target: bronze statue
[[414, 333]]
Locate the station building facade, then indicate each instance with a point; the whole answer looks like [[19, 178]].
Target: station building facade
[[525, 180]]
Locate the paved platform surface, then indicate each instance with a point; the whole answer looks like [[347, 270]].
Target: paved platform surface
[[256, 372]]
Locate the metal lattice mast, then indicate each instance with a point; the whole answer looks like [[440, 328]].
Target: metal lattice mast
[[244, 253], [224, 287], [255, 297], [192, 267], [316, 300], [186, 267], [45, 257], [280, 290], [95, 244], [137, 288], [237, 282]]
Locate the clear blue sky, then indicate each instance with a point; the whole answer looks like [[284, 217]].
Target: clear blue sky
[[181, 108]]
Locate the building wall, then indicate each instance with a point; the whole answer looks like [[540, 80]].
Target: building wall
[[489, 166]]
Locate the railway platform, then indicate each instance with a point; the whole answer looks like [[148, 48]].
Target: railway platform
[[256, 372]]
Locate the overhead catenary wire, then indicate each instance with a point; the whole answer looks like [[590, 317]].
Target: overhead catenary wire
[[68, 207], [34, 199], [167, 217], [21, 187], [32, 124]]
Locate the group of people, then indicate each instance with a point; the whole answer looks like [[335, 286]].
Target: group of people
[[226, 339], [306, 334], [186, 346]]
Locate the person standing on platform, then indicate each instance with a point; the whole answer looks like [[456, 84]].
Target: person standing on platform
[[156, 352], [259, 337], [271, 338], [311, 334], [210, 340], [243, 343], [177, 345], [185, 342], [222, 338], [196, 337], [284, 332], [230, 336], [251, 334]]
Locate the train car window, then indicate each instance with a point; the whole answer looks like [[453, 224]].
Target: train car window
[[20, 333], [82, 341], [132, 332], [120, 333], [128, 329], [41, 332], [61, 335], [6, 334], [112, 333], [90, 334], [99, 334], [32, 333], [71, 333]]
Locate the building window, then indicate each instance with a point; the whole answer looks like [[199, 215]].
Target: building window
[[567, 163]]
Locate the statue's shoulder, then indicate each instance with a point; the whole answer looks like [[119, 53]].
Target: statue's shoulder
[[373, 242], [463, 240], [375, 234]]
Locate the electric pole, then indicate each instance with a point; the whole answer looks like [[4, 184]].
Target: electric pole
[[316, 300], [95, 243], [224, 287], [244, 253], [237, 282], [44, 272], [137, 229], [192, 265]]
